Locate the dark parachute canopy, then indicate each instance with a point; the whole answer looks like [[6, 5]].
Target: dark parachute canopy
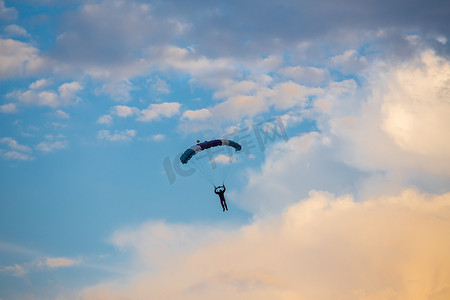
[[187, 155]]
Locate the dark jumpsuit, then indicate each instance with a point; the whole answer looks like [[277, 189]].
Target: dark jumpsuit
[[220, 192]]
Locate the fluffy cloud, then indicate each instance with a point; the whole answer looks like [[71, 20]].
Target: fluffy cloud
[[349, 62], [66, 94], [105, 120], [117, 136], [8, 108], [18, 59], [306, 75], [16, 30], [319, 248], [249, 99], [7, 13], [401, 127], [156, 111], [124, 111], [197, 114]]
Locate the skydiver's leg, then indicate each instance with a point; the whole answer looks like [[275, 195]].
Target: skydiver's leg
[[225, 202], [223, 206]]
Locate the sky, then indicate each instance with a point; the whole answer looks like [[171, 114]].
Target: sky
[[341, 190]]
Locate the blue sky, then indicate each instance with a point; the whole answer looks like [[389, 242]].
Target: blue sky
[[342, 109]]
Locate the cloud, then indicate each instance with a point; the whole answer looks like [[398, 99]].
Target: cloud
[[251, 99], [322, 247], [349, 62], [158, 137], [161, 86], [7, 13], [19, 59], [67, 91], [404, 115], [197, 114], [105, 120], [52, 146], [58, 262], [118, 90], [117, 136], [223, 159], [8, 108], [16, 31], [62, 114], [309, 76], [124, 111], [13, 144], [41, 83], [15, 150], [41, 264], [156, 111], [35, 96]]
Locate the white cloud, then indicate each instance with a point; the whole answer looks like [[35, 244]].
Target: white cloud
[[14, 30], [158, 137], [67, 91], [41, 83], [199, 114], [7, 13], [156, 111], [18, 59], [415, 115], [319, 248], [307, 75], [223, 159], [66, 95], [124, 111], [161, 86], [8, 108], [118, 90], [13, 144], [154, 138], [15, 155], [105, 120], [51, 146], [402, 126], [117, 136], [62, 114], [15, 151], [262, 96], [15, 270], [349, 62]]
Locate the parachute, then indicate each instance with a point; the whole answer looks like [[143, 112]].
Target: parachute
[[187, 155]]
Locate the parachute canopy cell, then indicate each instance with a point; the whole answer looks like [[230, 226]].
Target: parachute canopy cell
[[187, 155]]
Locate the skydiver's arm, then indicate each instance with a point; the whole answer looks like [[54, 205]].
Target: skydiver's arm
[[224, 188]]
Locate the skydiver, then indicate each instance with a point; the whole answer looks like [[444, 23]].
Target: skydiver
[[220, 190]]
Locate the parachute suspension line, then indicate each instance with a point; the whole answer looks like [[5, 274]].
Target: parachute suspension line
[[227, 167], [202, 172]]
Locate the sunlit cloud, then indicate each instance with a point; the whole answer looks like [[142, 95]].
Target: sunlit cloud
[[320, 248], [39, 265]]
